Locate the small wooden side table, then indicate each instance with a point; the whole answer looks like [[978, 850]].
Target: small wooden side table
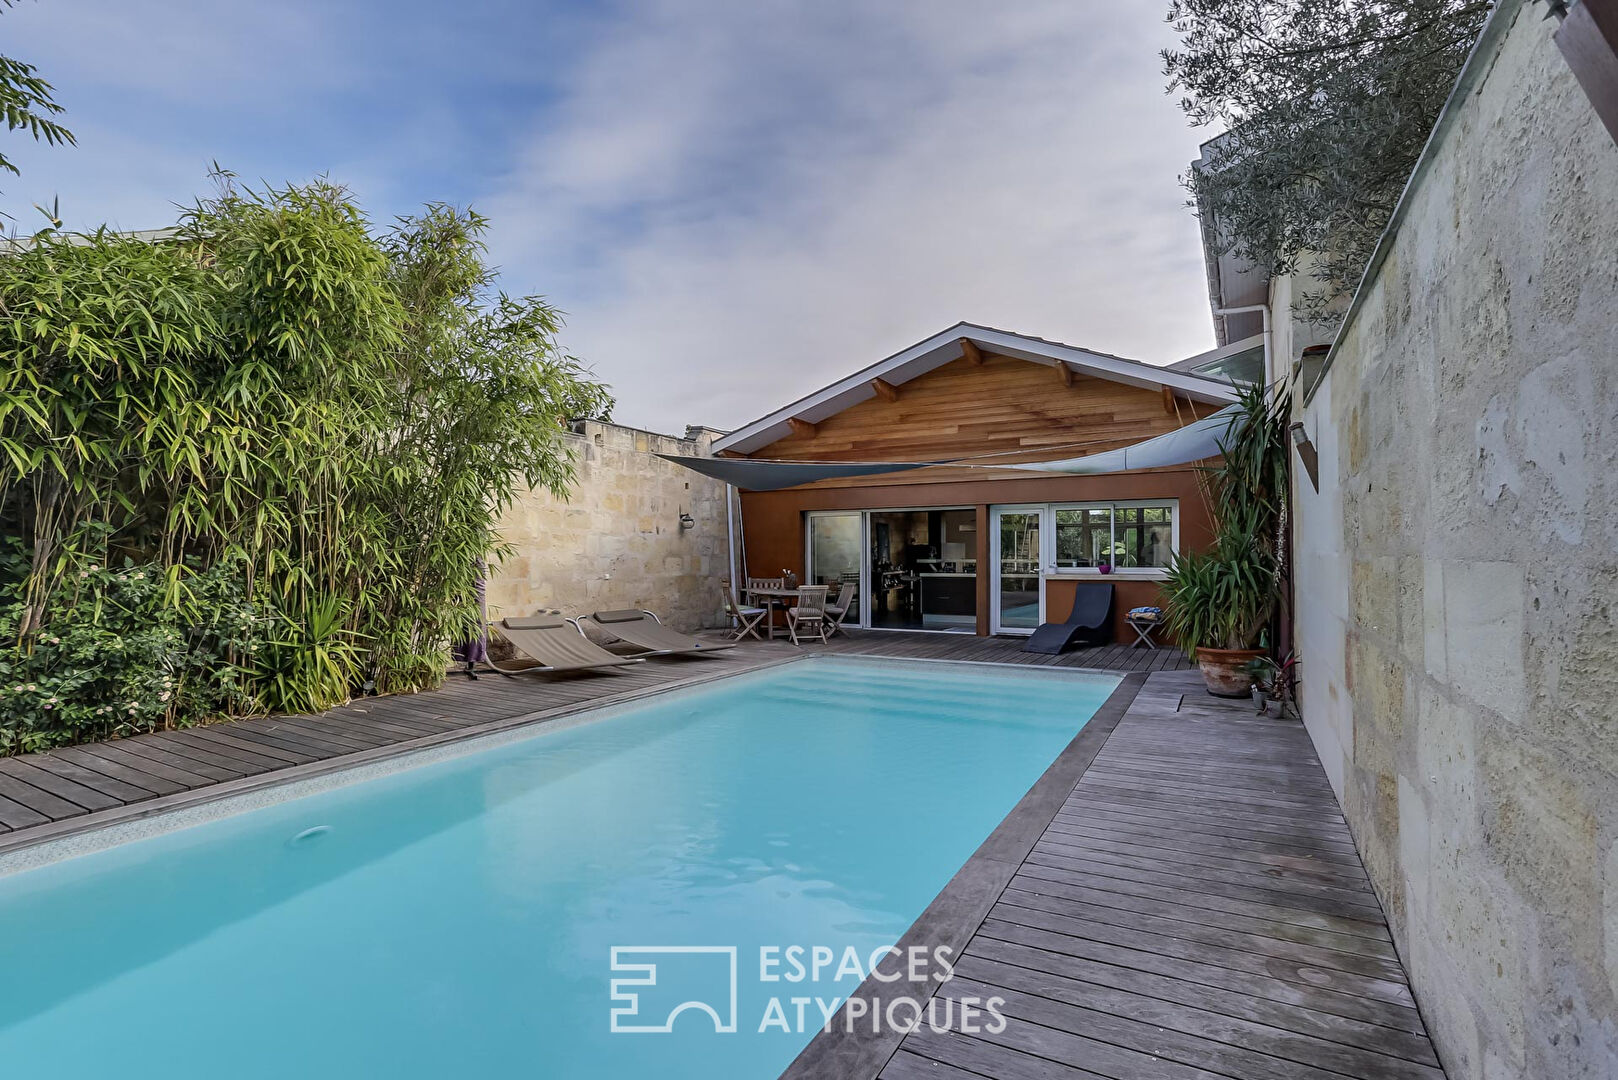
[[1143, 631]]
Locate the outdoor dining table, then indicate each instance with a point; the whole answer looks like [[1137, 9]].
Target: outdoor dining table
[[772, 598]]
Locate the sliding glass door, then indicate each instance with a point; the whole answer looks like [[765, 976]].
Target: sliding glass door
[[1134, 539], [1016, 598], [836, 554]]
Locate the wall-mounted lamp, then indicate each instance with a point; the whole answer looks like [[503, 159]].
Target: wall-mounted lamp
[[687, 521], [1307, 454]]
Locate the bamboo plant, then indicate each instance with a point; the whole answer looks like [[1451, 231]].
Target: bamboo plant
[[330, 418]]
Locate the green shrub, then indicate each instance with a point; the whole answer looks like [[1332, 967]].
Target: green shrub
[[116, 658]]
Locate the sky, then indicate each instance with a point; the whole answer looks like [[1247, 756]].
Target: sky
[[735, 202]]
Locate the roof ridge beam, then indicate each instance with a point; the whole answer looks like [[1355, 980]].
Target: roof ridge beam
[[970, 350]]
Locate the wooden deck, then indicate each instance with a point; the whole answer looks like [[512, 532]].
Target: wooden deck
[[1195, 909], [71, 784]]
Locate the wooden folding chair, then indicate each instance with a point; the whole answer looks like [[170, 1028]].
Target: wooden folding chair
[[809, 615], [848, 599], [746, 620]]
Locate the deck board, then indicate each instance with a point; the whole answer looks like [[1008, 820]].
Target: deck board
[[1195, 908]]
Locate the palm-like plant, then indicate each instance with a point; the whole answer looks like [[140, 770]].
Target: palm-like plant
[[1223, 598]]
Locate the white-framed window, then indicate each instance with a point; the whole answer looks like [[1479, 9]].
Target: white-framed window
[[1135, 535]]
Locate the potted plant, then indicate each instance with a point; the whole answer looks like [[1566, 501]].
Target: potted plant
[[1272, 682], [1220, 601]]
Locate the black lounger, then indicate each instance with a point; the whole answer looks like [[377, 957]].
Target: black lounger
[[1090, 621]]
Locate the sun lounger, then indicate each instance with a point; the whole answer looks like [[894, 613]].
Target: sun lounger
[[1090, 621], [645, 630], [556, 644]]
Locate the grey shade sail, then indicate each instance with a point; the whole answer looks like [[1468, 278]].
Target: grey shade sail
[[1194, 442], [771, 475]]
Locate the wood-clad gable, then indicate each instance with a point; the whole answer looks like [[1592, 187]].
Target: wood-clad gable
[[1027, 411]]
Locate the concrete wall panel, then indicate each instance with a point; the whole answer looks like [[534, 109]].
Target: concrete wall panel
[[1457, 576], [616, 541]]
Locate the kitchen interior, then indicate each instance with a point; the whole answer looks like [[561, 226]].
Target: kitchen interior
[[924, 570]]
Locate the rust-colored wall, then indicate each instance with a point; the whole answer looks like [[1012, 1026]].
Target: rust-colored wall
[[774, 530], [1127, 593]]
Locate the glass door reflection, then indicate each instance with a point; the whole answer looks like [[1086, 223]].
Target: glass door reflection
[[1017, 560]]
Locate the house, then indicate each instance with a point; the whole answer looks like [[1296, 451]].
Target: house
[[976, 546]]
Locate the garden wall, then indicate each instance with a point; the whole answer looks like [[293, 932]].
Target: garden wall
[[616, 542], [1457, 573]]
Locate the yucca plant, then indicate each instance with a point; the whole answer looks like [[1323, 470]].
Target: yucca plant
[[1221, 598], [307, 664], [1224, 597]]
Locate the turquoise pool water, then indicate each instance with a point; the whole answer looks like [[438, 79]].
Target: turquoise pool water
[[457, 919]]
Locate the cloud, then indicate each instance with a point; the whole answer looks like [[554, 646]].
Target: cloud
[[740, 202], [736, 201]]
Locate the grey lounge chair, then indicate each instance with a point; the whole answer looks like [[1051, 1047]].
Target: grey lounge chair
[[556, 644], [646, 631], [1091, 621]]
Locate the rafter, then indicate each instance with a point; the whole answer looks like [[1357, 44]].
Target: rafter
[[1064, 373], [800, 426], [885, 390]]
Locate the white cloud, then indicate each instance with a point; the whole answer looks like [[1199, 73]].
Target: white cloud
[[740, 202], [736, 201]]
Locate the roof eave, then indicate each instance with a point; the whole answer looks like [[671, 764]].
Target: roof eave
[[924, 356]]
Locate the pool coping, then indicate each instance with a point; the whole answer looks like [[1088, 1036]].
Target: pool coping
[[956, 913], [115, 821]]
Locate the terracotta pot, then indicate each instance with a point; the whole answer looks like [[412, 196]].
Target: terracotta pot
[[1225, 670]]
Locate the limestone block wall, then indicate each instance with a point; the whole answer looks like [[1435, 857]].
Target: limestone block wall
[[1457, 576], [616, 542]]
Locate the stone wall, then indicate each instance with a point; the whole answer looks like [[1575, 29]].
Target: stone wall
[[1457, 575], [616, 541]]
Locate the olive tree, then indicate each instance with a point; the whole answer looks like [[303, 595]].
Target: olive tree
[[1326, 106]]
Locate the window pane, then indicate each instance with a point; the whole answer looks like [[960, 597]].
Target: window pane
[[1082, 536], [1019, 569], [834, 548], [1145, 536]]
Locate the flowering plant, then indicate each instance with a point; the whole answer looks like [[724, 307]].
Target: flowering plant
[[114, 657]]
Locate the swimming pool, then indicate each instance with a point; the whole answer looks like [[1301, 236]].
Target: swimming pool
[[459, 918]]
